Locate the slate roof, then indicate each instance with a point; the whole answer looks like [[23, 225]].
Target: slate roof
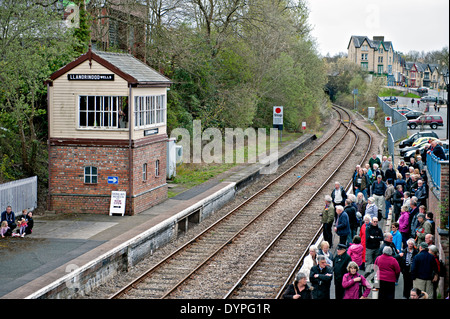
[[132, 66], [409, 65], [421, 66], [359, 40], [374, 44], [126, 66]]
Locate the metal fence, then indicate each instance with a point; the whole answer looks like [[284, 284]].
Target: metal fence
[[434, 169], [399, 128], [20, 194]]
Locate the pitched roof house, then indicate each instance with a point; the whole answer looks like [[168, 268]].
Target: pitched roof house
[[376, 56]]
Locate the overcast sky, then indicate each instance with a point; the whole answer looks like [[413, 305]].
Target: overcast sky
[[420, 25]]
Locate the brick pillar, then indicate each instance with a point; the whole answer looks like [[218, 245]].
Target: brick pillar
[[443, 239], [437, 200]]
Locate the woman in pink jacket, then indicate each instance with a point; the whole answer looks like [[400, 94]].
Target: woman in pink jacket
[[352, 282], [404, 226], [388, 271], [355, 251]]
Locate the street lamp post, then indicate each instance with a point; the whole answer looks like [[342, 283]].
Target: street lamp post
[[448, 101]]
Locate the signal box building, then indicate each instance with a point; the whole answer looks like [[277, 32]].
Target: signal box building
[[107, 132]]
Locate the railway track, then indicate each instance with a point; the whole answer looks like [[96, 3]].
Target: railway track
[[265, 278], [265, 221]]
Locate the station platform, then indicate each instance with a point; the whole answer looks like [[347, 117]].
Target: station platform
[[61, 243]]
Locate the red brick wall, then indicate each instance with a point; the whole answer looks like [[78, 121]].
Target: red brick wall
[[69, 194], [153, 190]]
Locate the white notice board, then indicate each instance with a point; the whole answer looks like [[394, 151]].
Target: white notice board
[[118, 199]]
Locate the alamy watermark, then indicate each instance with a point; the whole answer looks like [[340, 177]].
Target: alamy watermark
[[73, 19], [260, 148]]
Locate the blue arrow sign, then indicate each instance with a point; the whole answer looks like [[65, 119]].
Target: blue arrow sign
[[113, 180]]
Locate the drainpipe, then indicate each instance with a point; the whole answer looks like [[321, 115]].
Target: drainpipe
[[49, 165], [130, 153]]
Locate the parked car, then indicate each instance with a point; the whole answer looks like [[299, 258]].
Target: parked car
[[414, 147], [410, 140], [422, 90], [413, 114], [391, 99], [432, 120], [422, 140], [432, 99], [403, 110], [411, 153]]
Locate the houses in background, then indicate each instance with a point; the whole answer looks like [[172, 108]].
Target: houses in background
[[379, 58]]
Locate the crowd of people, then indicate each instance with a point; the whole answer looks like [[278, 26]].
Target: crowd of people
[[10, 226], [366, 255]]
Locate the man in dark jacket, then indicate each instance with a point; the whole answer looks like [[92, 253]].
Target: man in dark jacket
[[421, 193], [9, 216], [328, 219], [293, 291], [387, 241], [437, 150], [350, 210], [374, 236], [397, 202], [408, 182], [407, 256], [413, 215], [342, 227], [338, 195], [378, 189], [320, 278], [340, 264], [422, 268]]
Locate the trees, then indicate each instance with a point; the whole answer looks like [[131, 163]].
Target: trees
[[33, 44], [344, 76], [233, 60]]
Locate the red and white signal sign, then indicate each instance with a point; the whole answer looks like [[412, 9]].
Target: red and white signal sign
[[278, 115], [388, 121]]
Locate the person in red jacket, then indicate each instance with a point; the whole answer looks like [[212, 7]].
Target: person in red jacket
[[362, 235], [388, 271]]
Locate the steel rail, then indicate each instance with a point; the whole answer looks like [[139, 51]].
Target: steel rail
[[147, 273], [238, 284], [233, 237], [302, 257]]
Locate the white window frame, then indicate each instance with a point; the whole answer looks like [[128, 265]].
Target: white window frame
[[150, 110], [99, 111], [144, 172], [90, 175], [157, 168]]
